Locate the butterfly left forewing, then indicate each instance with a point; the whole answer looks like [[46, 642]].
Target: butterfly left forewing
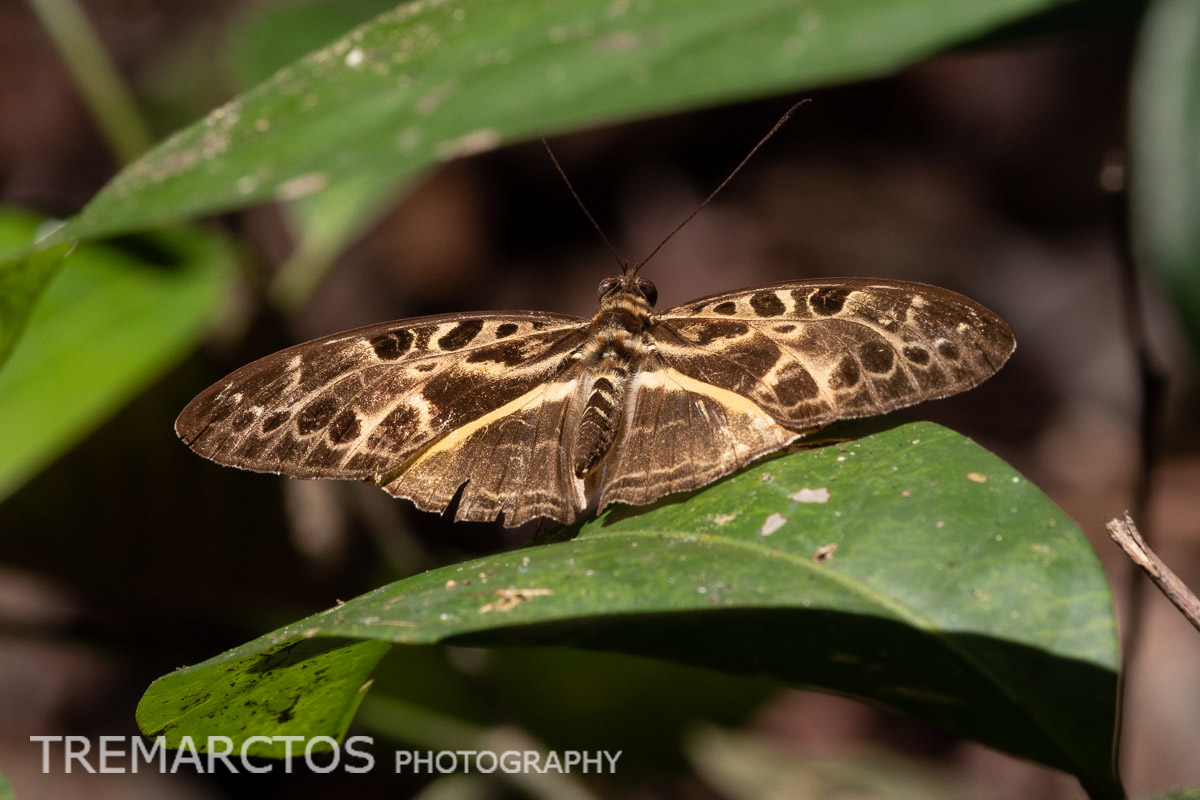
[[368, 404]]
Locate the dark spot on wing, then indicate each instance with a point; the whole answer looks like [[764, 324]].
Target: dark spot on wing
[[393, 344], [796, 384], [705, 333], [423, 333], [275, 420], [506, 353], [456, 400], [242, 420], [787, 328], [766, 304], [726, 308], [461, 334], [316, 415], [847, 373], [876, 356], [345, 427], [948, 349], [828, 301], [506, 329], [754, 354], [916, 354], [398, 426]]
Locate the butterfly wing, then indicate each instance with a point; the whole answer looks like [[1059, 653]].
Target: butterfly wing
[[515, 459], [770, 363], [418, 406], [679, 433]]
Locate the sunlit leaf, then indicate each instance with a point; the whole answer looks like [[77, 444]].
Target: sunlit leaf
[[23, 279], [431, 81], [263, 39], [107, 327], [308, 686], [909, 568]]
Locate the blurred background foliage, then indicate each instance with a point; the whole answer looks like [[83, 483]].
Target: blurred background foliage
[[985, 149]]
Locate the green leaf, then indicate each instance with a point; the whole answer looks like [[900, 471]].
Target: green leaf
[[431, 81], [105, 329], [957, 593], [1164, 157], [23, 279], [307, 686], [6, 790], [262, 40]]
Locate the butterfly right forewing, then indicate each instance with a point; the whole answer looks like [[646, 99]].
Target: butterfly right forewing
[[811, 352]]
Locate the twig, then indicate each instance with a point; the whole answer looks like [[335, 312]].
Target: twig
[[1129, 539]]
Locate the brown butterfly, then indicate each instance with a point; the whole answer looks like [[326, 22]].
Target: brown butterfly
[[531, 413]]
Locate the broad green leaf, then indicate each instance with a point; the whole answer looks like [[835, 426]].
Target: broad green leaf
[[647, 705], [262, 40], [909, 568], [430, 81], [6, 791], [23, 279], [1164, 153], [307, 686], [105, 329]]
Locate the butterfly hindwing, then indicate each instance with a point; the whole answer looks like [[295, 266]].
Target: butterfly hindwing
[[680, 433], [364, 403], [514, 459]]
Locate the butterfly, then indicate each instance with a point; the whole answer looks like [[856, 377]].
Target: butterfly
[[527, 415]]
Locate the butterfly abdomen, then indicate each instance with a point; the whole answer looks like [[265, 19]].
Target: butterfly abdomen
[[598, 425]]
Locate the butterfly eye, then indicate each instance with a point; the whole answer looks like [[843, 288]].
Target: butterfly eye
[[648, 290], [607, 285]]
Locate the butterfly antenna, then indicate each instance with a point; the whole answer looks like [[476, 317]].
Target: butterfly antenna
[[622, 261], [775, 129]]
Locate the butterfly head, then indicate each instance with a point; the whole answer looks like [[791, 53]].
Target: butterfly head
[[627, 284]]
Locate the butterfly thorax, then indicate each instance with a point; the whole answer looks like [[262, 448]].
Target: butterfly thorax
[[615, 348], [622, 309]]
